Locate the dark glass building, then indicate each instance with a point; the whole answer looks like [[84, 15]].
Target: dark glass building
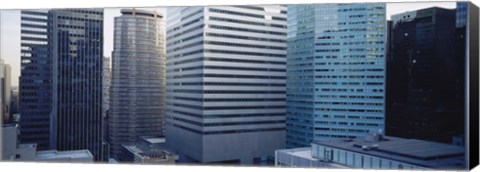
[[61, 79], [77, 55], [35, 80], [425, 77]]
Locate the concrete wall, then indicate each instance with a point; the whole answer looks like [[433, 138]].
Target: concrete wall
[[9, 142], [242, 146]]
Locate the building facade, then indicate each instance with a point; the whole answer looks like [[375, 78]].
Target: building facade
[[13, 151], [426, 77], [335, 71], [77, 67], [138, 77], [6, 89], [14, 101], [107, 80], [35, 98], [61, 79], [226, 82]]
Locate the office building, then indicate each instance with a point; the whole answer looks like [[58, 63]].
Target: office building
[[138, 77], [376, 151], [13, 151], [335, 71], [77, 60], [14, 100], [226, 83], [426, 77], [5, 85], [35, 80], [61, 79]]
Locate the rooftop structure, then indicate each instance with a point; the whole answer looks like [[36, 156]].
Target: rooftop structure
[[12, 151], [150, 156], [301, 157], [65, 156], [375, 151], [148, 150]]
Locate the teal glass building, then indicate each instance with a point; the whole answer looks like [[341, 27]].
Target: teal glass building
[[335, 71]]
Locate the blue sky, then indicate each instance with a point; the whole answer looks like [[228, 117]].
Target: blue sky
[[10, 30]]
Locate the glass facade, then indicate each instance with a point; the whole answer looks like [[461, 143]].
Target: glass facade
[[61, 79], [461, 14], [35, 80], [335, 71], [76, 37], [425, 89], [138, 78]]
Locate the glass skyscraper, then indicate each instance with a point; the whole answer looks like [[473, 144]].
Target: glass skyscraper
[[35, 80], [426, 76], [226, 82], [77, 66], [138, 78], [335, 71], [61, 79]]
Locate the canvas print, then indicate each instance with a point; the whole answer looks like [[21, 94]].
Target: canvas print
[[327, 85]]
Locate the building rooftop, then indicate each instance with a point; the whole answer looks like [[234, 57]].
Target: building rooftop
[[306, 154], [141, 12], [155, 140], [27, 146], [54, 154], [151, 154], [413, 151]]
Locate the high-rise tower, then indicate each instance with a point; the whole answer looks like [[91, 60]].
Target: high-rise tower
[[226, 82], [335, 71], [426, 78], [138, 77], [35, 80], [61, 79]]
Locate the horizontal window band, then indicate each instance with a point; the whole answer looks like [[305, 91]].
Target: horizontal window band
[[229, 100], [228, 131], [229, 115], [228, 91], [228, 60], [229, 84], [228, 76]]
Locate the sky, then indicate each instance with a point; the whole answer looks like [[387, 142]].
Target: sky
[[10, 30]]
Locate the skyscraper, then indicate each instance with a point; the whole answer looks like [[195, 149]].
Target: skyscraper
[[77, 60], [426, 78], [35, 80], [138, 77], [61, 79], [5, 85], [335, 71], [226, 82]]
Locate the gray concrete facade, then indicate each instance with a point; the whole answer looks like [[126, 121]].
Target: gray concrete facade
[[226, 82]]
